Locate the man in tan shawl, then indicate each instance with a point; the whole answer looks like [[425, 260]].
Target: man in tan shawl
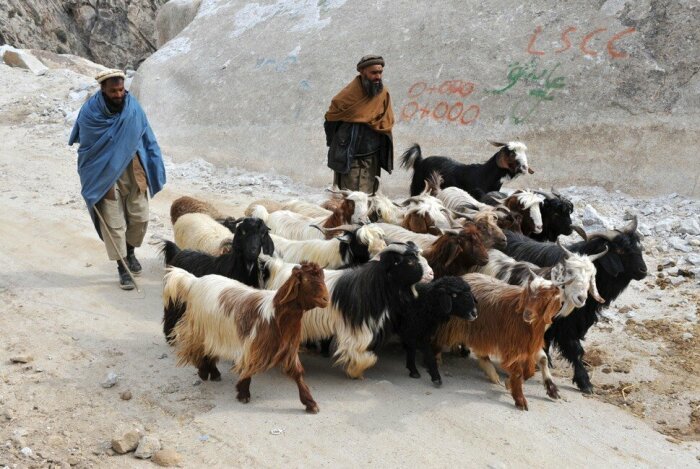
[[358, 129]]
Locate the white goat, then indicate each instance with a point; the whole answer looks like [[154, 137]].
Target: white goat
[[200, 232]]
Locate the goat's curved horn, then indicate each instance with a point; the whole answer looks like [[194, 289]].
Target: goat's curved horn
[[595, 257], [568, 253], [325, 230], [580, 231], [565, 282], [333, 189], [374, 192], [555, 192], [593, 290], [608, 235], [632, 227], [468, 216]]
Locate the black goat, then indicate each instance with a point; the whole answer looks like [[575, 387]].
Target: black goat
[[416, 320], [509, 162], [623, 263], [556, 216], [251, 237]]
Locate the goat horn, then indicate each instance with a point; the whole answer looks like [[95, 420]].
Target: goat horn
[[608, 235], [374, 192], [632, 227], [333, 190], [496, 144], [565, 282], [568, 253], [595, 257], [325, 230], [555, 192], [462, 214], [580, 231], [593, 289]]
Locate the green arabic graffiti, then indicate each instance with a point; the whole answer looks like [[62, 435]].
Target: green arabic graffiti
[[531, 74]]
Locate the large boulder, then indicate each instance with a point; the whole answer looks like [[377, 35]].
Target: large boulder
[[114, 33], [173, 17], [602, 93]]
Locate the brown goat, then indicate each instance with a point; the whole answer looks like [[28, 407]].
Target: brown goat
[[510, 325], [491, 233], [187, 204], [256, 329], [453, 253]]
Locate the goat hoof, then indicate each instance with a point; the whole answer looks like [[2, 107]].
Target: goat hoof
[[552, 390], [437, 382], [203, 375], [243, 399], [587, 390], [414, 374], [216, 377], [464, 352], [312, 409]]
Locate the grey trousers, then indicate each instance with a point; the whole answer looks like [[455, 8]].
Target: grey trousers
[[361, 176], [125, 210]]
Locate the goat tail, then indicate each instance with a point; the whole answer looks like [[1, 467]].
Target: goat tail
[[169, 250], [259, 211], [411, 157], [434, 182], [176, 288]]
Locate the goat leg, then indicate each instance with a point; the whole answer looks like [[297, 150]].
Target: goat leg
[[573, 351], [549, 386], [295, 370], [431, 363], [207, 369], [411, 360], [515, 379], [243, 388]]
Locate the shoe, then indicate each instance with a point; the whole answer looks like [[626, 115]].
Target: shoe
[[125, 282], [132, 262]]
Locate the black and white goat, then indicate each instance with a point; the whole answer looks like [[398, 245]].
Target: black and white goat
[[360, 298], [556, 216], [241, 263], [477, 179]]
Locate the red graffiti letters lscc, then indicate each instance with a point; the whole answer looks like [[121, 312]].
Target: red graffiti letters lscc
[[582, 39]]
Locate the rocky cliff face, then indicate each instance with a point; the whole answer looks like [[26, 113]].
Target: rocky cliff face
[[116, 33]]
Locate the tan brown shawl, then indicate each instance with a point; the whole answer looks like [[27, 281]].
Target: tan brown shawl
[[353, 105]]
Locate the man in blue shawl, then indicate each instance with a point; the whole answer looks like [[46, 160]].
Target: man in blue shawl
[[119, 162]]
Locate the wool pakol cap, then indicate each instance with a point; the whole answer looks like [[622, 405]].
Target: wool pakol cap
[[369, 60], [112, 73]]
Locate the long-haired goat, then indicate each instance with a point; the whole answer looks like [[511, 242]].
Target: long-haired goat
[[356, 245], [622, 263], [187, 204], [200, 232], [574, 272], [360, 298], [415, 320], [509, 162], [456, 251], [511, 325], [556, 216], [241, 263], [309, 209], [256, 329], [524, 202]]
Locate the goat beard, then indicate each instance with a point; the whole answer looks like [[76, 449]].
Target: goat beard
[[371, 88]]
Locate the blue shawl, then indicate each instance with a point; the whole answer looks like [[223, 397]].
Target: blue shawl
[[108, 143]]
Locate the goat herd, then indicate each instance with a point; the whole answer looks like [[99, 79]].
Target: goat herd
[[456, 266]]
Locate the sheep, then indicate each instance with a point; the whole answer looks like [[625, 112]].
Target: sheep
[[252, 237], [187, 204], [623, 263], [360, 297], [511, 324], [556, 216], [355, 246], [200, 232], [576, 274], [256, 329], [477, 179], [416, 320]]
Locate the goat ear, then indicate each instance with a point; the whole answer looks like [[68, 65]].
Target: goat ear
[[455, 250], [497, 144], [444, 304], [290, 290], [612, 264], [268, 246]]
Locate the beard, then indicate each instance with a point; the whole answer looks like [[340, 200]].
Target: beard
[[371, 88], [114, 106]]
